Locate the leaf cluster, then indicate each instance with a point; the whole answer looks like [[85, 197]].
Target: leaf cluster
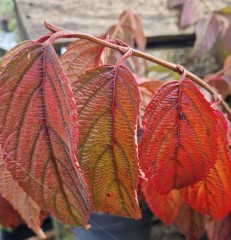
[[82, 131]]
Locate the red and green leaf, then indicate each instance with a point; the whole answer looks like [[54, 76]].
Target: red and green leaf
[[212, 196], [179, 144], [165, 207], [190, 222], [39, 133], [81, 55], [108, 105]]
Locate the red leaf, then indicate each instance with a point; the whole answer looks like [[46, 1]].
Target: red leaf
[[26, 207], [151, 85], [177, 150], [219, 230], [164, 207], [8, 216], [190, 223], [147, 88], [10, 54], [38, 133], [213, 194], [108, 106], [81, 55], [220, 83], [129, 30]]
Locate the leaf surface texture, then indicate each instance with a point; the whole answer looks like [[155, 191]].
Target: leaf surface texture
[[108, 105], [179, 144], [38, 133]]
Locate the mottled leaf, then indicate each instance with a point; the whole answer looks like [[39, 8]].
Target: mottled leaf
[[9, 217], [177, 150], [212, 195], [26, 207], [108, 106], [165, 207], [190, 222], [38, 133], [81, 55], [218, 230]]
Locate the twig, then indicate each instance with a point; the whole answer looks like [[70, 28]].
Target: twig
[[137, 53]]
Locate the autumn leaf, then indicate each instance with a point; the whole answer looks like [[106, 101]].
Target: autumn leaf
[[9, 217], [81, 55], [218, 230], [220, 83], [151, 85], [179, 143], [108, 105], [26, 207], [165, 207], [147, 88], [10, 54], [212, 195], [190, 222], [129, 29], [38, 133]]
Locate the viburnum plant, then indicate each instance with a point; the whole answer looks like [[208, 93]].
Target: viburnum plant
[[68, 135]]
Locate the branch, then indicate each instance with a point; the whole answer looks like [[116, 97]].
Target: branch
[[115, 45]]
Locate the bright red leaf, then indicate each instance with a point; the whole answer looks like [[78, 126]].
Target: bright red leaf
[[108, 105], [190, 222], [165, 207], [212, 195], [179, 144], [38, 133], [25, 206], [81, 55]]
